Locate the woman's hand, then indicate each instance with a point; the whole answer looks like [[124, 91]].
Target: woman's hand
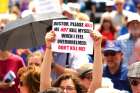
[[97, 37], [49, 38]]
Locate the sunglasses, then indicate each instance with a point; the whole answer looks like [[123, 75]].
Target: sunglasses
[[21, 83], [134, 82], [88, 76], [138, 7], [68, 88], [110, 53]]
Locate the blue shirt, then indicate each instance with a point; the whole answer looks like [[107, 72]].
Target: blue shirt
[[127, 44], [119, 79]]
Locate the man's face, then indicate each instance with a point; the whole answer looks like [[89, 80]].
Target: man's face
[[87, 80], [135, 84], [134, 28], [119, 6], [112, 58]]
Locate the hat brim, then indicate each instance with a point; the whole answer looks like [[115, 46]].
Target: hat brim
[[84, 73], [112, 49]]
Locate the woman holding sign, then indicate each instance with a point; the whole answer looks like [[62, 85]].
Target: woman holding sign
[[67, 82]]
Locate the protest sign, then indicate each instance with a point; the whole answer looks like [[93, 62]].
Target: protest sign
[[72, 36], [47, 6]]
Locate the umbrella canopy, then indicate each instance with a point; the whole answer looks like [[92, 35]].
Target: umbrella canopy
[[27, 32]]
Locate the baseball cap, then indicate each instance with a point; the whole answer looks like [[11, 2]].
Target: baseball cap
[[84, 69], [66, 8], [112, 46], [133, 18], [134, 70], [109, 3]]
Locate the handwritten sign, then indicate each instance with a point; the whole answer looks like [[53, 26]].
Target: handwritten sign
[[72, 36], [47, 6]]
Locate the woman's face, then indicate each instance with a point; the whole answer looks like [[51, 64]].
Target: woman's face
[[68, 86], [23, 88], [106, 24]]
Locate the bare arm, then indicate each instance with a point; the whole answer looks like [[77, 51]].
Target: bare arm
[[45, 78], [97, 65]]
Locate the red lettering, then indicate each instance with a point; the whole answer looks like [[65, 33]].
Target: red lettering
[[64, 29], [61, 47], [73, 48], [88, 25], [81, 48]]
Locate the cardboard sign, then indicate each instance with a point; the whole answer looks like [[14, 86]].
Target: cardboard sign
[[72, 36], [47, 6]]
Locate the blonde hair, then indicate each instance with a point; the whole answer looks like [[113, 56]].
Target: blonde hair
[[119, 1]]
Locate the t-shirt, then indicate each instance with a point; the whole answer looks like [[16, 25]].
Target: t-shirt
[[13, 63]]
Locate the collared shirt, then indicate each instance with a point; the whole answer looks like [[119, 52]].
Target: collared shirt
[[119, 79], [127, 44]]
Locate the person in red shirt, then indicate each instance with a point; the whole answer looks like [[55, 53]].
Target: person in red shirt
[[9, 62], [107, 30]]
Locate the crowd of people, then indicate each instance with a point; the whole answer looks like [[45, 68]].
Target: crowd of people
[[114, 66]]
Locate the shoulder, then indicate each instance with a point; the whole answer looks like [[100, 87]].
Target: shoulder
[[124, 68], [124, 37], [16, 58]]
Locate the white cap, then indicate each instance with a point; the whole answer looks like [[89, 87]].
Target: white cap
[[109, 90], [74, 6], [133, 17], [109, 3], [66, 8]]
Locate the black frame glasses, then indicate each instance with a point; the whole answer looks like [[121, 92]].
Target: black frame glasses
[[134, 81], [110, 53]]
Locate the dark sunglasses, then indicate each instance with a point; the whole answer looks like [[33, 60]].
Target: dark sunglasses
[[110, 53], [138, 7], [88, 76], [21, 83], [134, 82]]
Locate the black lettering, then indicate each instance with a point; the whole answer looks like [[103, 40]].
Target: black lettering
[[83, 31], [74, 42]]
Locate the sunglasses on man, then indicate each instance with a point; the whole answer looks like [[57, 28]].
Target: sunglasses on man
[[110, 53], [134, 81]]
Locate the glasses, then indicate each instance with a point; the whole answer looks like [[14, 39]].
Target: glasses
[[134, 81], [21, 83], [138, 7], [110, 53], [68, 88], [88, 76]]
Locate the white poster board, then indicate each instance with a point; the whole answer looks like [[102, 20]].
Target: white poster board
[[47, 6], [72, 36]]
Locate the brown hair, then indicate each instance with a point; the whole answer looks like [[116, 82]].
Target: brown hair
[[79, 88], [112, 28], [31, 78]]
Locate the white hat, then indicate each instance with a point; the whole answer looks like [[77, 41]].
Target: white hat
[[109, 90], [133, 17], [74, 6], [109, 3], [66, 8]]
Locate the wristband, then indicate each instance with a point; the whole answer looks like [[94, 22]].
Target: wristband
[[52, 65], [48, 47]]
